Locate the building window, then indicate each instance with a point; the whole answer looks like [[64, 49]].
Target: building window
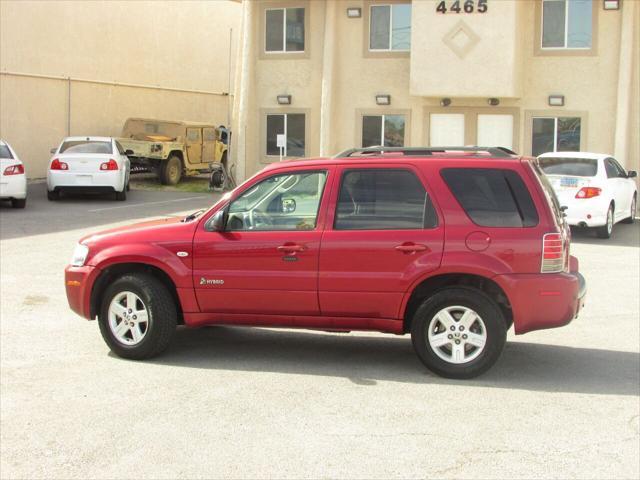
[[390, 27], [555, 134], [284, 30], [567, 24], [383, 130], [292, 126]]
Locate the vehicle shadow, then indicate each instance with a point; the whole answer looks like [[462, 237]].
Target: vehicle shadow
[[365, 360], [624, 235]]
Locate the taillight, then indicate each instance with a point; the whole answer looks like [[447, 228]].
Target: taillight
[[553, 253], [588, 192], [14, 170], [58, 165], [110, 165]]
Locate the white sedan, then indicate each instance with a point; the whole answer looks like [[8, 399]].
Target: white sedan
[[88, 164], [594, 188], [13, 181]]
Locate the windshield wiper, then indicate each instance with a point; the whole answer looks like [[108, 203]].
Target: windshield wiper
[[193, 215]]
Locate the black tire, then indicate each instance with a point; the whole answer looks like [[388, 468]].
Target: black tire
[[121, 196], [632, 213], [171, 171], [486, 308], [18, 202], [53, 196], [606, 230], [128, 186], [161, 311]]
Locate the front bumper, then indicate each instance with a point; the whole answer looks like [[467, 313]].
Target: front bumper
[[541, 301], [78, 282]]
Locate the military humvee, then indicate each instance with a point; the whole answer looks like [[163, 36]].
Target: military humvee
[[173, 149]]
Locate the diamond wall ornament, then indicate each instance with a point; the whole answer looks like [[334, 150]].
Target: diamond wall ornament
[[461, 39]]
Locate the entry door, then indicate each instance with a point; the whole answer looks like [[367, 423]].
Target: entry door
[[194, 144], [266, 261], [495, 130], [381, 233], [446, 130]]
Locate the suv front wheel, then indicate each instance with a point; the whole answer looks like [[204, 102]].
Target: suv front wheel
[[138, 316], [459, 332]]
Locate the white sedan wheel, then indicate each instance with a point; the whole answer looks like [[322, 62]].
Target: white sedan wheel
[[457, 334], [128, 318]]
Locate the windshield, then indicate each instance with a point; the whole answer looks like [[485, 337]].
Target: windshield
[[86, 146], [579, 167], [5, 152]]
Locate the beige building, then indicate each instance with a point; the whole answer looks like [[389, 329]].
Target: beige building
[[83, 68], [531, 75]]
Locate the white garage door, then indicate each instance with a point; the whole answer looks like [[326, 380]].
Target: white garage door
[[446, 129], [495, 131]]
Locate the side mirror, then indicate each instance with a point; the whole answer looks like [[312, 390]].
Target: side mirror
[[53, 150], [219, 221], [288, 205], [632, 174], [128, 152]]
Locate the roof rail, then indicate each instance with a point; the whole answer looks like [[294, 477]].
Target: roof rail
[[425, 151]]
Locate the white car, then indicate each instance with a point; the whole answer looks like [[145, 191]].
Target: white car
[[13, 180], [594, 188], [88, 164]]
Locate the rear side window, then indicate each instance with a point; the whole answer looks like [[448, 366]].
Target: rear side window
[[85, 146], [5, 152], [383, 199], [492, 197], [578, 167]]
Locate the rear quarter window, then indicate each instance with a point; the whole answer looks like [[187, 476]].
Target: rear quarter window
[[5, 152], [492, 197]]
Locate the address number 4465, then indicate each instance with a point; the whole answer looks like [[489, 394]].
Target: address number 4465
[[469, 6]]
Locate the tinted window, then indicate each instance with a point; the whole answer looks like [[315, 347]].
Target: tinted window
[[85, 146], [383, 199], [293, 126], [580, 167], [5, 152], [387, 130], [613, 169], [492, 197]]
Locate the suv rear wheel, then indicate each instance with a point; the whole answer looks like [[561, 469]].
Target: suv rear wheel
[[138, 316], [458, 332]]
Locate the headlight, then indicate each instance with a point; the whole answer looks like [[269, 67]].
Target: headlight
[[79, 255]]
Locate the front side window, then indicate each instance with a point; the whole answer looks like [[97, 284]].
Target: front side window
[[282, 202], [284, 30], [567, 24], [555, 134], [390, 27], [383, 199], [292, 126], [85, 146], [383, 130], [492, 197]]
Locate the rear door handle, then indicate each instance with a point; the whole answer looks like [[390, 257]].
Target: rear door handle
[[410, 248], [291, 248]]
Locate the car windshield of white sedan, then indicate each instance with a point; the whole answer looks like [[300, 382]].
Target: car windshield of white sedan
[[577, 167], [5, 152], [85, 146]]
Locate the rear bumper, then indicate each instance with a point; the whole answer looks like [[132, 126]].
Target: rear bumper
[[541, 301], [108, 181], [78, 282], [589, 212], [13, 186]]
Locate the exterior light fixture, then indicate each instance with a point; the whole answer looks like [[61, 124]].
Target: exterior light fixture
[[493, 101], [383, 99], [611, 4], [556, 100], [354, 12], [284, 99], [445, 102]]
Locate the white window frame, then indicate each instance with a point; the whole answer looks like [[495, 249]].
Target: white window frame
[[555, 129], [566, 29], [382, 116], [286, 133], [390, 5], [284, 31]]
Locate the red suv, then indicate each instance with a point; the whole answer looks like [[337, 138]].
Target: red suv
[[452, 245]]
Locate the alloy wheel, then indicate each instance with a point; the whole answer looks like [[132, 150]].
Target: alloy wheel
[[128, 318], [457, 334]]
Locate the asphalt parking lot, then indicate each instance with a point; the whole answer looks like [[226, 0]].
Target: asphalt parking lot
[[240, 403]]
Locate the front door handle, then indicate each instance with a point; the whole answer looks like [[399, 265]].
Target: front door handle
[[291, 248], [410, 248]]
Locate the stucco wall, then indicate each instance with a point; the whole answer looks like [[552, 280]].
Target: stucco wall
[[179, 45]]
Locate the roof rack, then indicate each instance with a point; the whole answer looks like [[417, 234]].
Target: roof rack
[[426, 151]]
